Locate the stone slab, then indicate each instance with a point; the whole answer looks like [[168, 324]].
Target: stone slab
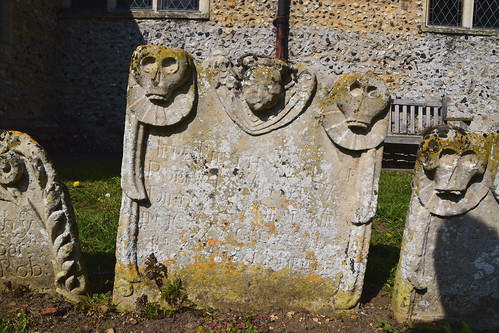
[[448, 267], [248, 198], [38, 237]]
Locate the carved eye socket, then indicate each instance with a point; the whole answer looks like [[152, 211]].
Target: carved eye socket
[[372, 91], [356, 89], [170, 65], [148, 64], [469, 159], [448, 157]]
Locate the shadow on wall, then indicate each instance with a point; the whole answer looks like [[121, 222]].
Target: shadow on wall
[[466, 269], [94, 60]]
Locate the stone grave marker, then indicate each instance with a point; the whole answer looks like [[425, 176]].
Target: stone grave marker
[[252, 181], [38, 238], [449, 264]]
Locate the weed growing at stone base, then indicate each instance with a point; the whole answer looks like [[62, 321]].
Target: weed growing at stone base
[[19, 325]]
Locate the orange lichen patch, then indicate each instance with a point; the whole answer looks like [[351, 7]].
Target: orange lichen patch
[[302, 66], [310, 256], [215, 242], [232, 241], [271, 227], [295, 227], [229, 285], [257, 214], [23, 134], [182, 235]]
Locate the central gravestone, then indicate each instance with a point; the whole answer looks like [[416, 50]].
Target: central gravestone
[[250, 181]]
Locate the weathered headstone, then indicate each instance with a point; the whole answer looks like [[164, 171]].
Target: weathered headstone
[[260, 195], [449, 264], [38, 237]]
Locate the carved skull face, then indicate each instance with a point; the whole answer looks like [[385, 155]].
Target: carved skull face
[[453, 158], [160, 71], [262, 83], [361, 98]]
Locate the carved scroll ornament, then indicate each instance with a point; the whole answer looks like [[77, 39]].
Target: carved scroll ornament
[[28, 180]]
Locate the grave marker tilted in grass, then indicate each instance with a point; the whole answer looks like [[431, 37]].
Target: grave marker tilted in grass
[[38, 238], [448, 267], [261, 194]]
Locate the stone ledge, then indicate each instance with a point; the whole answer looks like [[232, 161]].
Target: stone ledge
[[459, 31], [132, 14]]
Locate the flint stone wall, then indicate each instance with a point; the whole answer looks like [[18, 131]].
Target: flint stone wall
[[417, 66], [241, 208], [28, 70], [448, 267], [38, 238]]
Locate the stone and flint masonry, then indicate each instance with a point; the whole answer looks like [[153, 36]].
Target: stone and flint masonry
[[448, 267], [38, 238], [252, 181]]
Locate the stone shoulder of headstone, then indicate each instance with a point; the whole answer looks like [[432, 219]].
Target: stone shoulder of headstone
[[38, 235], [260, 94], [448, 262], [355, 113]]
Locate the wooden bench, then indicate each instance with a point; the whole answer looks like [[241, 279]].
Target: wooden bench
[[408, 119]]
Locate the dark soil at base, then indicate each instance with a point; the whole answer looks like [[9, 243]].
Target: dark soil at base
[[52, 314]]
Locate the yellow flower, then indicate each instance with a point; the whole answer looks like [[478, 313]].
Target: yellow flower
[[388, 235], [76, 184]]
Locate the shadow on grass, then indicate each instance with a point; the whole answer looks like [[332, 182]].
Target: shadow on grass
[[100, 268], [380, 270], [87, 168]]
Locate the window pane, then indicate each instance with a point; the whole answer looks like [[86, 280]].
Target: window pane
[[445, 12], [178, 5], [135, 4], [89, 4], [486, 14]]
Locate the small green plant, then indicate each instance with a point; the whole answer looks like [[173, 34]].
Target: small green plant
[[20, 325], [174, 293], [385, 325], [152, 310], [170, 291], [98, 305]]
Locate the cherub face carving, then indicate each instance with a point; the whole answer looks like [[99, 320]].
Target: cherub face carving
[[262, 87], [160, 71], [361, 98], [452, 162]]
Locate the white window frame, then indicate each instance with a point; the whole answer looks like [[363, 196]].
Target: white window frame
[[466, 26], [112, 11]]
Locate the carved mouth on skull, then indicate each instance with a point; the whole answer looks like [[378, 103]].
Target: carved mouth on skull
[[156, 97], [450, 195], [357, 125]]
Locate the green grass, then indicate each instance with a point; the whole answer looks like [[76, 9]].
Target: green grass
[[97, 197], [388, 227], [94, 187]]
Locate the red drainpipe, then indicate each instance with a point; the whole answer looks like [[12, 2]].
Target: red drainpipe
[[282, 24]]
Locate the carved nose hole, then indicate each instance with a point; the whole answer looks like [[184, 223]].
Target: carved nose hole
[[355, 89], [148, 64], [6, 168]]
